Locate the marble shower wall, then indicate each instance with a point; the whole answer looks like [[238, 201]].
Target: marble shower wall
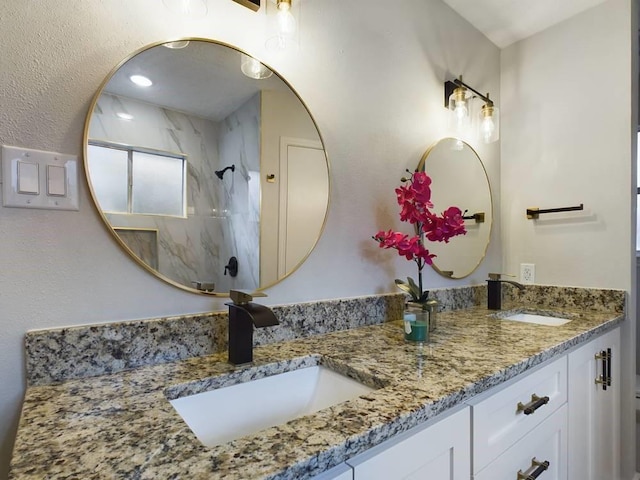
[[198, 247], [239, 145]]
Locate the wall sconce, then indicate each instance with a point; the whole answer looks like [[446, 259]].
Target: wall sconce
[[286, 27], [252, 68], [458, 100]]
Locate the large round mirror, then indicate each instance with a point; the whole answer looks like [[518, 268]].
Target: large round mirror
[[459, 178], [206, 166]]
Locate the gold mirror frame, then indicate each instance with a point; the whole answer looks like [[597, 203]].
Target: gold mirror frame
[[265, 176], [450, 188]]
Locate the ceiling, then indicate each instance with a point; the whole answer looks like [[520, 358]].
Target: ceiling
[[203, 79], [507, 21]]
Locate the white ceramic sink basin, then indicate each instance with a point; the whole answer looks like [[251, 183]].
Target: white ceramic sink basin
[[541, 317], [537, 319], [224, 414]]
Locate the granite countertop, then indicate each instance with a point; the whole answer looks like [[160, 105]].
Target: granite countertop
[[123, 426]]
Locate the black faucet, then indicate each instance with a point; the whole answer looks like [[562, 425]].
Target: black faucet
[[494, 290], [243, 315]]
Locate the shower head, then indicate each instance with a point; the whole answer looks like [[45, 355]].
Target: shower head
[[220, 173]]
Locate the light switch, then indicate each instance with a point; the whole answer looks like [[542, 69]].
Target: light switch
[[56, 181], [37, 179], [28, 182]]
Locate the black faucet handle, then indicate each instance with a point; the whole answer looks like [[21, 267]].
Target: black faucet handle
[[240, 297], [498, 276]]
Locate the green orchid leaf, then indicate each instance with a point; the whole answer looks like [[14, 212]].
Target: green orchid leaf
[[409, 287], [402, 285]]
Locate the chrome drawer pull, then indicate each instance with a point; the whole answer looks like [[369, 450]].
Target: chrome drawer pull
[[539, 467], [535, 403]]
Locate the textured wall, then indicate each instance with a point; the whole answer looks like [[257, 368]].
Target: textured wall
[[370, 73], [560, 148]]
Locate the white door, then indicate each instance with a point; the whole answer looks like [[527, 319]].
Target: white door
[[304, 194], [594, 413]]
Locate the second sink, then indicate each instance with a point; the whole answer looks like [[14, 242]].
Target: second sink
[[224, 414], [538, 317]]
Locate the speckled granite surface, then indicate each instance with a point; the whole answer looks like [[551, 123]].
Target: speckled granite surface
[[55, 355], [123, 426]]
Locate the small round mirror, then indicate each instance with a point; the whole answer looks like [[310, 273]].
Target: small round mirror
[[206, 166], [459, 178]]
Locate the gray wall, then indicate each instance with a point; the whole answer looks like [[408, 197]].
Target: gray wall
[[371, 74]]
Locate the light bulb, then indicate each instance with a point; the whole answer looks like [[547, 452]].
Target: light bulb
[[286, 21], [488, 128], [489, 124], [459, 110]]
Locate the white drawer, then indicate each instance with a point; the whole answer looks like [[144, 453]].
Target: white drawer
[[497, 421], [545, 443]]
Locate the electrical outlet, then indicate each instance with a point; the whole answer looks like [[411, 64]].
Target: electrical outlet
[[527, 273]]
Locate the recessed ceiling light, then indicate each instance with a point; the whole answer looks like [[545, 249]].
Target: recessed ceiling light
[[141, 81], [124, 116]]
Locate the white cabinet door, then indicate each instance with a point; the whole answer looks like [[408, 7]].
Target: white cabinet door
[[542, 453], [594, 413], [437, 451]]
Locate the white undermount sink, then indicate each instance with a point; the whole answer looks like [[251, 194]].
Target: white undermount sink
[[224, 414], [551, 319]]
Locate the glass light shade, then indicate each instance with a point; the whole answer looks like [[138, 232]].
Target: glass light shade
[[488, 123], [252, 68], [285, 27], [459, 105], [286, 21]]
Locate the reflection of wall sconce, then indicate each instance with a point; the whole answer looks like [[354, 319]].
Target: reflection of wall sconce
[[252, 68], [458, 99], [177, 45]]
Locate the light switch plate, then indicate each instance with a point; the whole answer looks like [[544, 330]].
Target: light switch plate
[[37, 179]]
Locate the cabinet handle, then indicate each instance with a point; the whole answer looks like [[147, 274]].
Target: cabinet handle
[[539, 469], [535, 403], [609, 361], [605, 378]]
